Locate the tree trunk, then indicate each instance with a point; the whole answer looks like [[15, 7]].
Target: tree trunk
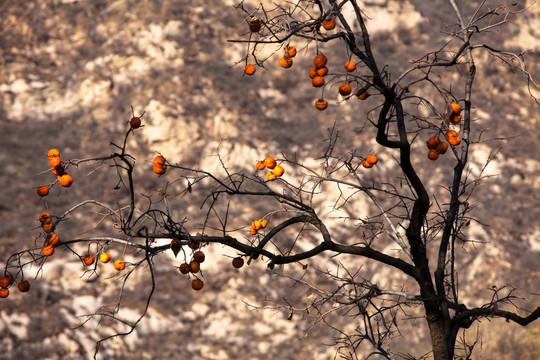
[[440, 336]]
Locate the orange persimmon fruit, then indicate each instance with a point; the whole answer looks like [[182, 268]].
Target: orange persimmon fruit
[[197, 284], [319, 60], [321, 104], [65, 180], [329, 23], [119, 265], [194, 267], [184, 268], [48, 250], [442, 147], [350, 66], [270, 162], [199, 256], [4, 293], [433, 154], [249, 69], [105, 257], [372, 159], [88, 260], [285, 62], [278, 170], [260, 165], [43, 190], [317, 81], [433, 142], [24, 286], [345, 89]]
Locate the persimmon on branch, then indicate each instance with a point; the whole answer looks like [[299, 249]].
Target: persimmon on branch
[[403, 215]]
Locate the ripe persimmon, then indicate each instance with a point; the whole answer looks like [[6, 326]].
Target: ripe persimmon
[[24, 286], [285, 62], [53, 153], [105, 257], [65, 180], [350, 66], [270, 176], [317, 81], [53, 239], [43, 217], [194, 245], [43, 190], [372, 159], [4, 293], [252, 231], [454, 119], [48, 250], [278, 170], [367, 164], [199, 256], [159, 165], [452, 137], [290, 51], [119, 265], [455, 108], [184, 268], [321, 104], [238, 262], [159, 169], [442, 147], [329, 23], [264, 222], [270, 162], [345, 89], [88, 260], [197, 284], [260, 165], [312, 72], [319, 61], [6, 281], [256, 224], [433, 154], [363, 95], [322, 71], [48, 226], [54, 161], [249, 69], [194, 267], [433, 142]]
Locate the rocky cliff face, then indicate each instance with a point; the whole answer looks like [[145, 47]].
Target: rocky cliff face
[[70, 72]]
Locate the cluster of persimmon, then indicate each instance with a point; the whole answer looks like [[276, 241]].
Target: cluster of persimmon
[[437, 147], [194, 266], [286, 61], [369, 161], [256, 225], [7, 280], [317, 73], [159, 165], [57, 168], [52, 240], [270, 163], [104, 257]]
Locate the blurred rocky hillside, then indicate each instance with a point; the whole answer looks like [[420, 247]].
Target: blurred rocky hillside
[[70, 72]]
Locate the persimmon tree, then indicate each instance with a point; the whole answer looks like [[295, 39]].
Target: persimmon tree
[[423, 226]]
